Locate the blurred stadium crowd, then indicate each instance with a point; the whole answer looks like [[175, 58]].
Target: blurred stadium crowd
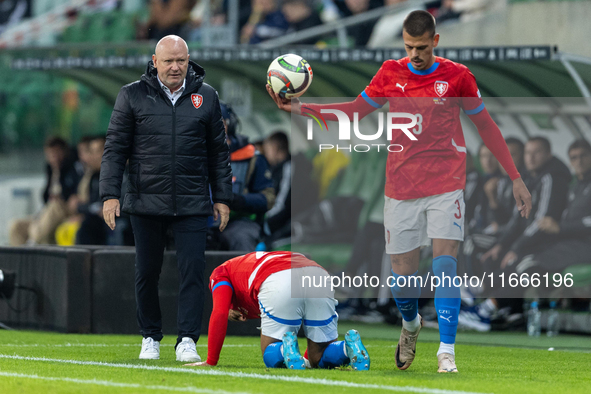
[[257, 20]]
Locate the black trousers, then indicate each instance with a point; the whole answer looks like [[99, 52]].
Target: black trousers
[[190, 235], [550, 259], [92, 231]]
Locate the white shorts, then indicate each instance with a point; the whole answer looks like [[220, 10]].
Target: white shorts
[[410, 224], [280, 313]]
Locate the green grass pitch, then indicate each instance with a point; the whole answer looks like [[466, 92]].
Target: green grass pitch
[[37, 362]]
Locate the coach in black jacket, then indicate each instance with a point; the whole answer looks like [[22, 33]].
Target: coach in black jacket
[[169, 126]]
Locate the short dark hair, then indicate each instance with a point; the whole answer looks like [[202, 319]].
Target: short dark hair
[[280, 138], [515, 141], [55, 142], [542, 140], [85, 139], [418, 23], [580, 144]]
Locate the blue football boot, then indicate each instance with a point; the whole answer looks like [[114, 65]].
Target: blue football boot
[[356, 352], [291, 352]]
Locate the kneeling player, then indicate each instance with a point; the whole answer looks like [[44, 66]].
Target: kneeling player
[[261, 284]]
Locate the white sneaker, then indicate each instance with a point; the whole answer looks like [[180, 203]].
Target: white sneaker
[[447, 363], [150, 349], [186, 351]]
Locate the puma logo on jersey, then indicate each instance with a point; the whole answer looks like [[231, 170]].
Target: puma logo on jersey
[[400, 86], [151, 97]]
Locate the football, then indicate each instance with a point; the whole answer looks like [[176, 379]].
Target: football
[[289, 76]]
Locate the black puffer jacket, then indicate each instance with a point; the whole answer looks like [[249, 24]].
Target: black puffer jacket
[[175, 152], [549, 195]]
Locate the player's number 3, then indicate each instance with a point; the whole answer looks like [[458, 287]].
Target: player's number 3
[[459, 214], [419, 128]]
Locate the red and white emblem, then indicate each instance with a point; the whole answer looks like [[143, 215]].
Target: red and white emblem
[[441, 88], [197, 100]]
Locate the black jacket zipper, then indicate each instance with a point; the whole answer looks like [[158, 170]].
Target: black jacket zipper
[[174, 159]]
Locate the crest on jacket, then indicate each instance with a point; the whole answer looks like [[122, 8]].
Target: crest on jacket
[[197, 100]]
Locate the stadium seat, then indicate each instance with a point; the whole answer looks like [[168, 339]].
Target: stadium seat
[[121, 27], [97, 28]]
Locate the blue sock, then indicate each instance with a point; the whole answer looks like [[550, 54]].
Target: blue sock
[[273, 357], [406, 297], [447, 298], [334, 356]]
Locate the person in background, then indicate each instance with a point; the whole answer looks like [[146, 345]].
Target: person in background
[[166, 17], [278, 218], [252, 188], [265, 22], [83, 150], [93, 229], [259, 145], [500, 198], [62, 183], [498, 194], [301, 15], [489, 179], [569, 244], [80, 205], [361, 32], [548, 183]]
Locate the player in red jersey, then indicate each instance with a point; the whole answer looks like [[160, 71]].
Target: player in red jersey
[[425, 182], [284, 290]]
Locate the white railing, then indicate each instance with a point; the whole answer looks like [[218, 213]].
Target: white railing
[[43, 29]]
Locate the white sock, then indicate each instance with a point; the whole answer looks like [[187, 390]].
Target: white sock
[[446, 348], [487, 308], [412, 325]]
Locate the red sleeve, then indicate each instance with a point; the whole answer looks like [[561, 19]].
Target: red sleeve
[[493, 139], [368, 101], [376, 86], [470, 95], [359, 105], [218, 322]]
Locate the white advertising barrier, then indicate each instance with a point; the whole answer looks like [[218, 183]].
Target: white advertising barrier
[[19, 197]]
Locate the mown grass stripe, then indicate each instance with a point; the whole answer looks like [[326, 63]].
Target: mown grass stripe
[[213, 372], [108, 383]]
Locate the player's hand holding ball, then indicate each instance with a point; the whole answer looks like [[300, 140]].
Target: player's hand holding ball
[[288, 77]]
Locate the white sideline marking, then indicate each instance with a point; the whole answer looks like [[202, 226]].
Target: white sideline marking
[[117, 384], [104, 345], [212, 372]]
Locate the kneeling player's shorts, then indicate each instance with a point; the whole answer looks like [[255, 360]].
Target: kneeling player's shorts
[[282, 313], [410, 224]]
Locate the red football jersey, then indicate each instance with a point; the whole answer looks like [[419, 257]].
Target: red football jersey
[[245, 275], [436, 162]]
